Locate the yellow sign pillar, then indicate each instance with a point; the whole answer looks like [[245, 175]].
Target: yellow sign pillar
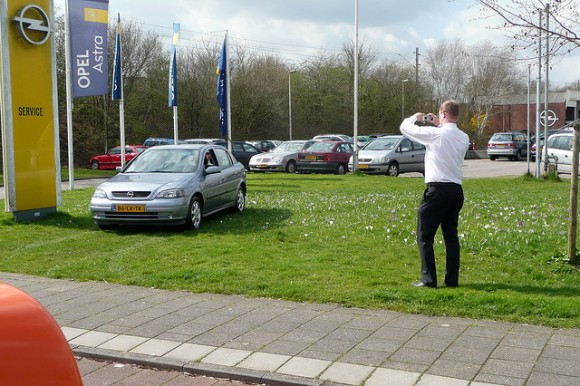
[[29, 110]]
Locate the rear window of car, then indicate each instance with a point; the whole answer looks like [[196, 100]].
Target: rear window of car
[[321, 146], [502, 137]]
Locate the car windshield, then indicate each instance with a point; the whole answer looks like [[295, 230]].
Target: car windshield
[[158, 160], [501, 137], [382, 144], [289, 146], [321, 146]]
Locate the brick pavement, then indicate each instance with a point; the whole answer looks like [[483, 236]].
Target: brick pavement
[[270, 341]]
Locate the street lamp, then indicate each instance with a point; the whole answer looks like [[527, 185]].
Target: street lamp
[[290, 105], [403, 98]]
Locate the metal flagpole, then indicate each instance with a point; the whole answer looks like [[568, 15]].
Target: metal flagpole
[[538, 106], [69, 104], [355, 154], [228, 112]]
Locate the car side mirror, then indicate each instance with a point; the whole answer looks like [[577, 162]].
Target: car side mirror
[[212, 170], [119, 169]]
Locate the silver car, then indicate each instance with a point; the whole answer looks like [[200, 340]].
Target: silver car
[[391, 155], [172, 184], [280, 159]]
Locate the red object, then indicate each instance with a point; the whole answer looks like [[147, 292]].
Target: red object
[[33, 349], [113, 157]]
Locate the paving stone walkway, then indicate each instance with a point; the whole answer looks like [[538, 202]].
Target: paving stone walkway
[[270, 341]]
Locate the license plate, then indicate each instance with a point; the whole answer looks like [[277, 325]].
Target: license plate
[[363, 166], [129, 208], [310, 157], [261, 166]]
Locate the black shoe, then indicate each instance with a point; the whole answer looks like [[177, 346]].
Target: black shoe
[[421, 284]]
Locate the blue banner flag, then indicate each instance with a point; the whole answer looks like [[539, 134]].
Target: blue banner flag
[[88, 20], [173, 67], [222, 91], [117, 87]]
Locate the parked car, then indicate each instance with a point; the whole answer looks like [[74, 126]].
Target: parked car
[[112, 159], [560, 151], [160, 141], [391, 155], [171, 185], [325, 157], [243, 152], [513, 145], [281, 159]]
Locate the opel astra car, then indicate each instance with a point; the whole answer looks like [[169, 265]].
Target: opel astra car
[[391, 155], [513, 145], [112, 159], [171, 184], [280, 159], [325, 157], [560, 151]]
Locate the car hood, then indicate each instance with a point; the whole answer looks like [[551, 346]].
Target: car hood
[[374, 153], [144, 181], [274, 154]]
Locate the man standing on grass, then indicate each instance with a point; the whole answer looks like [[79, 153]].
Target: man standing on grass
[[443, 198]]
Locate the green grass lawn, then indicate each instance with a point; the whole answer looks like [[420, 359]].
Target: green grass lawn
[[325, 238]]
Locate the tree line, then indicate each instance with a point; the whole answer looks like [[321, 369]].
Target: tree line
[[321, 89]]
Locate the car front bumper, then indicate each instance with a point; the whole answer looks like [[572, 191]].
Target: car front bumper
[[156, 212]]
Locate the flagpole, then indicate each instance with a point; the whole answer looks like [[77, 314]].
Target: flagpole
[[229, 115], [118, 77], [173, 76], [69, 104], [355, 123]]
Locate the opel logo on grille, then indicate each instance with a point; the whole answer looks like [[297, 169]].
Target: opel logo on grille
[[130, 194]]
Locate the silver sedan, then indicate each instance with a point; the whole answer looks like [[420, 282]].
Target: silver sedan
[[173, 184], [280, 159]]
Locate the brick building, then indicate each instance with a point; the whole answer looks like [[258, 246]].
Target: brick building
[[512, 112]]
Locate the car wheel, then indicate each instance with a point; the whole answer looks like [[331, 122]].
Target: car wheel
[[95, 165], [195, 212], [491, 158], [291, 167], [240, 201], [393, 170], [340, 169]]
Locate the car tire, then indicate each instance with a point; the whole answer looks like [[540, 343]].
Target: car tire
[[341, 169], [291, 167], [194, 215], [240, 201], [393, 170], [492, 158], [95, 165]]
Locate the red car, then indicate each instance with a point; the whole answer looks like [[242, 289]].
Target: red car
[[325, 157], [113, 157]]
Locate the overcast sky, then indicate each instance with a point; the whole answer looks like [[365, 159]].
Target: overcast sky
[[294, 30]]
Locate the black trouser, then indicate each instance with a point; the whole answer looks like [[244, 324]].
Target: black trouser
[[441, 205]]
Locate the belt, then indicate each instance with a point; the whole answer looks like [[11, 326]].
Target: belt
[[430, 184]]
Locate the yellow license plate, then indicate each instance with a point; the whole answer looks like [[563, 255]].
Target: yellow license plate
[[129, 208], [310, 157], [261, 166], [363, 166]]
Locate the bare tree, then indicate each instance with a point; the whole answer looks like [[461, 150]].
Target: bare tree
[[521, 18]]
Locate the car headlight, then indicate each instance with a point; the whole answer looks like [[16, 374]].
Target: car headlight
[[381, 160], [99, 193], [277, 160], [171, 193]]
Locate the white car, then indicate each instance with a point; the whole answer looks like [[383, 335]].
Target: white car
[[560, 151], [391, 155], [280, 159]]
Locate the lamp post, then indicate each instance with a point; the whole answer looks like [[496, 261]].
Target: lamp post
[[403, 98], [290, 105]]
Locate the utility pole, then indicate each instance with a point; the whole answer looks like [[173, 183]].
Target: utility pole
[[573, 229]]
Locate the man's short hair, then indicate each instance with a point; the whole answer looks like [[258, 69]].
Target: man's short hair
[[450, 107]]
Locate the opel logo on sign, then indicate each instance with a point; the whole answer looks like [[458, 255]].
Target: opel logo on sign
[[33, 24]]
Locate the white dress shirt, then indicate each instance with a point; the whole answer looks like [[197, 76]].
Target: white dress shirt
[[446, 147]]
